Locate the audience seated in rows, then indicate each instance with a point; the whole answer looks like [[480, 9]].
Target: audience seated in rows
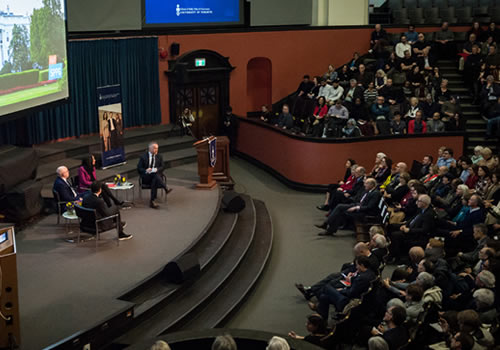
[[443, 233], [406, 77]]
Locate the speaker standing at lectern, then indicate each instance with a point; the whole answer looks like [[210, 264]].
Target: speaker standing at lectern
[[150, 168]]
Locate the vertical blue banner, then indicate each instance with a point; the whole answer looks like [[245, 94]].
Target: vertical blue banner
[[212, 148], [109, 104]]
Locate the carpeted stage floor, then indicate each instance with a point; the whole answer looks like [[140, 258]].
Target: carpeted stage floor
[[65, 288]]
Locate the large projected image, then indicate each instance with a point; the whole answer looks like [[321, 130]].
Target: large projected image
[[192, 12], [33, 62]]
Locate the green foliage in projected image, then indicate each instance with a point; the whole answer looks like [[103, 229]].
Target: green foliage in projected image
[[19, 52], [47, 35]]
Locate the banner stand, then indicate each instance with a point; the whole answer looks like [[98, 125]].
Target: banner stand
[[109, 104]]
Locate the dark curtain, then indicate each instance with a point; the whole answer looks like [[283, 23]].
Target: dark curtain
[[133, 63]]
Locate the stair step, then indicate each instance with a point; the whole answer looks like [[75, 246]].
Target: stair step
[[448, 68], [476, 132], [453, 76], [476, 122], [206, 249], [195, 293], [89, 144], [242, 280], [458, 90], [482, 140]]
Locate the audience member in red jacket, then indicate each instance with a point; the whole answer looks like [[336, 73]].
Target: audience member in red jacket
[[417, 125]]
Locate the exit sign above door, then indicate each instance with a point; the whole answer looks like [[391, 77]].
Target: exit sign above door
[[200, 62]]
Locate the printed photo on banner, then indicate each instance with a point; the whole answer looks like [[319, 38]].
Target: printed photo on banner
[[111, 127]]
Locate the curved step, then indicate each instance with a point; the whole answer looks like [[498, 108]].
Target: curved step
[[152, 292], [244, 278], [193, 294]]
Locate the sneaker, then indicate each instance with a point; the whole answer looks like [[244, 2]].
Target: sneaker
[[154, 205], [169, 190], [123, 236], [323, 207]]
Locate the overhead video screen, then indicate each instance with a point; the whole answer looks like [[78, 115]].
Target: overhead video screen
[[179, 13], [33, 60]]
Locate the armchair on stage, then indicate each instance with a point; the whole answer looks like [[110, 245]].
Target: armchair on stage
[[213, 162], [90, 223]]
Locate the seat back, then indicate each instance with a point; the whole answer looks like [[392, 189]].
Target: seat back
[[447, 13], [441, 3], [395, 4], [464, 12], [432, 12], [57, 198], [425, 3], [142, 185], [399, 14], [471, 3], [87, 218], [416, 12], [60, 205], [75, 181], [480, 11]]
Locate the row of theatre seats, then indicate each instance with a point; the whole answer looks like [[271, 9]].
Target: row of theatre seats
[[394, 38], [437, 11]]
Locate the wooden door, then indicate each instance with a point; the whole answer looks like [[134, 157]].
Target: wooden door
[[203, 99]]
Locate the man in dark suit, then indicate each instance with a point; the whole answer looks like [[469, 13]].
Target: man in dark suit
[[150, 168], [416, 231], [367, 205], [92, 200], [347, 271], [340, 297], [62, 186]]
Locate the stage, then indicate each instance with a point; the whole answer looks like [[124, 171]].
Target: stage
[[65, 288]]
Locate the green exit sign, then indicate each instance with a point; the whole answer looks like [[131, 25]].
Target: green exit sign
[[200, 62]]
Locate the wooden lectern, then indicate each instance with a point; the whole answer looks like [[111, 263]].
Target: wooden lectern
[[10, 334], [221, 170], [205, 171]]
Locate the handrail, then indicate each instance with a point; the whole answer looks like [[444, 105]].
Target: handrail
[[346, 140]]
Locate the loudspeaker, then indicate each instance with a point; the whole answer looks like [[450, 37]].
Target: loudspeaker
[[175, 48], [182, 269], [232, 202]]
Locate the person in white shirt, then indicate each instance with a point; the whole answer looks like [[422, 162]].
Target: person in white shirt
[[402, 46], [338, 91], [326, 90]]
